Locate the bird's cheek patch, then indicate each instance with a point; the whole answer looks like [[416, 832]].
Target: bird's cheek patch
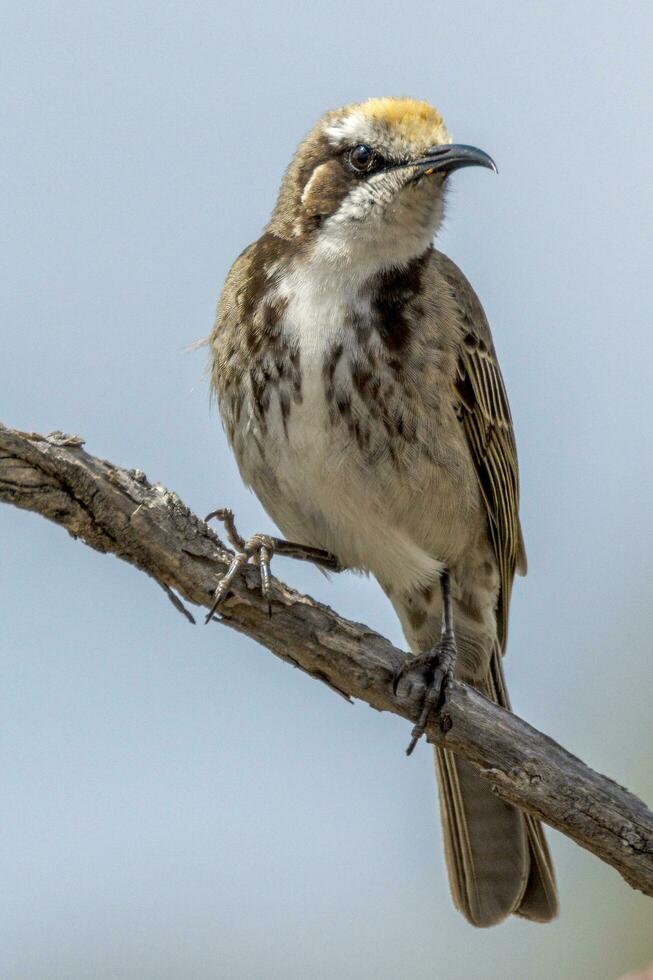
[[328, 186]]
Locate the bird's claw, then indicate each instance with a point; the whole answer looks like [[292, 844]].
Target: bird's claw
[[432, 671], [259, 549]]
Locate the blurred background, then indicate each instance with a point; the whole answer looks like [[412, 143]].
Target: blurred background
[[175, 802]]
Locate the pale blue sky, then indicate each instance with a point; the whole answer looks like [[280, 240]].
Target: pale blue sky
[[176, 804]]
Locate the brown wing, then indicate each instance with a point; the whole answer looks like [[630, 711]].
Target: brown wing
[[484, 412], [497, 857]]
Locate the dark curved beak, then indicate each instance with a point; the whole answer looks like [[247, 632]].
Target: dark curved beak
[[452, 156]]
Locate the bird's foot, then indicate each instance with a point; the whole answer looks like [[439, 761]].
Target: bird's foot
[[431, 671], [260, 548]]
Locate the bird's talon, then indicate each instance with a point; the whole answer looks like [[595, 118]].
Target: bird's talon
[[218, 598], [259, 549], [435, 669]]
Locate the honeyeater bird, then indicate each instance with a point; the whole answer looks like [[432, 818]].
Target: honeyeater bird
[[361, 394]]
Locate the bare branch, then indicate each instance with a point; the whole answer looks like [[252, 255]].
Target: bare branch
[[119, 511]]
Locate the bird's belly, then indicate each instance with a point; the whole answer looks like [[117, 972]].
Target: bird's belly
[[325, 484]]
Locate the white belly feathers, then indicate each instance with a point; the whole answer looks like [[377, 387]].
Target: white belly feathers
[[312, 477]]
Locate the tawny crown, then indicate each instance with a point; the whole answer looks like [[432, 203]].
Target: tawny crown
[[318, 178]]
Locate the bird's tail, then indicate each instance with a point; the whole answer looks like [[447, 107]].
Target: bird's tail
[[497, 857]]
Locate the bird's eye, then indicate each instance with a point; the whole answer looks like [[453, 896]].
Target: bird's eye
[[362, 158]]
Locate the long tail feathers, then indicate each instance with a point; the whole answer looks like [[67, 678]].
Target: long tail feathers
[[497, 857]]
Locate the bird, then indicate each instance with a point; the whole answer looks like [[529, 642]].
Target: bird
[[360, 391]]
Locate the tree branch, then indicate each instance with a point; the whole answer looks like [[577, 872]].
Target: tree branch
[[119, 511]]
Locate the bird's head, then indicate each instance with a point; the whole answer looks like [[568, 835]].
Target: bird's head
[[366, 185]]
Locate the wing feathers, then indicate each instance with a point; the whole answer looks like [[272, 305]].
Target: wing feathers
[[482, 406]]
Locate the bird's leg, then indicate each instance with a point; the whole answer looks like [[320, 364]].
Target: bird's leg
[[434, 667], [260, 548]]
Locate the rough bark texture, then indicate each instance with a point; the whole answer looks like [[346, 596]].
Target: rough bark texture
[[119, 511]]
